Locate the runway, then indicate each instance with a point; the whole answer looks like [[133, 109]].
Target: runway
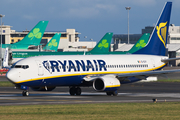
[[138, 92]]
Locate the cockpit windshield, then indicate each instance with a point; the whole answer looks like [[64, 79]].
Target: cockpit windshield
[[20, 66]]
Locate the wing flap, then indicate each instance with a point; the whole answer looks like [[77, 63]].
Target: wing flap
[[145, 74]]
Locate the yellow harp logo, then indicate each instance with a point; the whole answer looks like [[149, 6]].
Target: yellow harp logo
[[161, 32]]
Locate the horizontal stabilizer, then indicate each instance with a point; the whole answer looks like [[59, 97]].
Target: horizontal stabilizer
[[170, 59]]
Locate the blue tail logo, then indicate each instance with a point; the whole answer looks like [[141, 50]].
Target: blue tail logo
[[158, 39], [161, 32]]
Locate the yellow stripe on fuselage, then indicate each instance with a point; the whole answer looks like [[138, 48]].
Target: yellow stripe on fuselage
[[92, 73], [110, 86]]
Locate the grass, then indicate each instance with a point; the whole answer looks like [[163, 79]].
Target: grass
[[6, 84], [113, 111], [169, 80]]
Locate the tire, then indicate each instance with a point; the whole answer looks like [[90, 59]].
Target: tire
[[78, 91], [108, 93], [115, 93], [72, 91], [25, 93]]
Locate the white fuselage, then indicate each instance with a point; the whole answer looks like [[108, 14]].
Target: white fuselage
[[64, 66]]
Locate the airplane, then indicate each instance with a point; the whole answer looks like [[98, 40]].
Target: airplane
[[53, 43], [32, 38], [104, 72], [139, 45], [17, 55]]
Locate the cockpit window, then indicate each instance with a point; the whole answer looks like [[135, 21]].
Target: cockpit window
[[25, 66], [20, 66], [17, 66]]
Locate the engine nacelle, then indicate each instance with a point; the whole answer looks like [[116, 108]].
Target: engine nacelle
[[45, 88], [106, 83]]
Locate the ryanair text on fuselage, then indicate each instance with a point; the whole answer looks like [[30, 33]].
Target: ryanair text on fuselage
[[76, 65]]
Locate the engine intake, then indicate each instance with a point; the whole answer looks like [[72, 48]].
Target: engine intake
[[106, 83]]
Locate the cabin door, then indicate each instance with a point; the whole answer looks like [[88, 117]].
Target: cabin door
[[153, 63], [40, 68]]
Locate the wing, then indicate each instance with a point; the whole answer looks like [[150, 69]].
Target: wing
[[139, 75]]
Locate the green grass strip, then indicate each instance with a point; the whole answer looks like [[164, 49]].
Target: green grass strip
[[6, 84], [169, 80], [109, 111]]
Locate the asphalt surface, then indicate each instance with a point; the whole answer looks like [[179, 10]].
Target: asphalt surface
[[136, 92], [139, 92]]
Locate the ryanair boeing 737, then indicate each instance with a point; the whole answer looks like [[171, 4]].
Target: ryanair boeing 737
[[104, 72]]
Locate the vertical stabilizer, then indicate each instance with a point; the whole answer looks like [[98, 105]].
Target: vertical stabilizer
[[103, 45], [158, 39], [141, 43], [35, 35], [53, 43]]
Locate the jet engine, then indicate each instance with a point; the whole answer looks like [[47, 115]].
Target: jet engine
[[106, 83], [45, 88]]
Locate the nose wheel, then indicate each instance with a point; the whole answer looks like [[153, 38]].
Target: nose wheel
[[75, 90], [25, 93]]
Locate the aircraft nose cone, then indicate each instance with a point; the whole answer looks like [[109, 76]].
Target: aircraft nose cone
[[11, 76]]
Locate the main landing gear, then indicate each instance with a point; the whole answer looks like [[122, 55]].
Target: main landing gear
[[114, 93], [75, 90], [25, 93]]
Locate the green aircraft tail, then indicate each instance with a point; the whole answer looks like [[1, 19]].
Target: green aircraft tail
[[53, 43], [103, 45], [140, 43], [35, 35]]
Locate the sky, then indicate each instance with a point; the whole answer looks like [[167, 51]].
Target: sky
[[91, 18]]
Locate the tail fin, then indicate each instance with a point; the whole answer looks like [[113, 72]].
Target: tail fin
[[103, 45], [158, 39], [53, 43], [140, 43], [35, 35], [5, 59]]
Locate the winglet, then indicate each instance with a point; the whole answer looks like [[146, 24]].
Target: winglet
[[53, 43], [103, 45]]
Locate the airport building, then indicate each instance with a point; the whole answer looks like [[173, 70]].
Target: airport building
[[69, 40]]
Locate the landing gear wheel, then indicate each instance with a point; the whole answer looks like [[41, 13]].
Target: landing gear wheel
[[25, 93], [72, 91], [108, 93], [115, 93], [78, 91]]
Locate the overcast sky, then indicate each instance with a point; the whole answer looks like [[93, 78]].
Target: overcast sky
[[91, 18]]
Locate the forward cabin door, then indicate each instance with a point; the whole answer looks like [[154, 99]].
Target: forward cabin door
[[153, 63], [40, 68]]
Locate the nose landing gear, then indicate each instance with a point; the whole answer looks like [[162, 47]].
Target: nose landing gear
[[25, 93]]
